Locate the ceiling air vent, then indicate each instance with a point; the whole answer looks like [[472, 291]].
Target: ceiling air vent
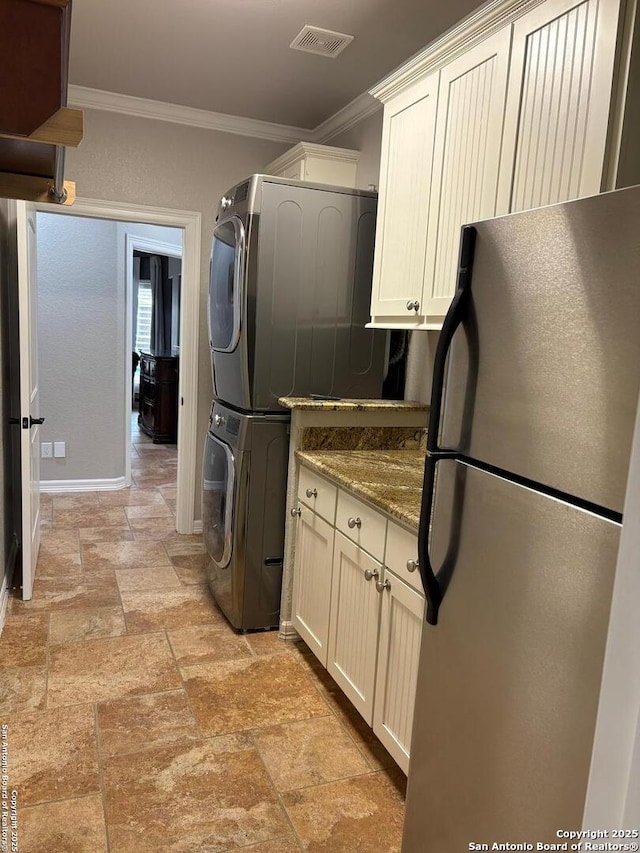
[[324, 42]]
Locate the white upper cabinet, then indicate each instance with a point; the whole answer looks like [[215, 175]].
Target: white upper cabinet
[[408, 138], [321, 164], [522, 104], [464, 182], [557, 115]]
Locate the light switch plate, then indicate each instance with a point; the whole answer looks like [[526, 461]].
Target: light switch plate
[[59, 449], [46, 450]]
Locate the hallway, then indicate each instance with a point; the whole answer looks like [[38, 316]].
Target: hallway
[[138, 721]]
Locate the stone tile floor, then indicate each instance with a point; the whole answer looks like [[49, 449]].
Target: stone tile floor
[[138, 721]]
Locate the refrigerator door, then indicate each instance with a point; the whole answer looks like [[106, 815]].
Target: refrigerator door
[[509, 679], [543, 378]]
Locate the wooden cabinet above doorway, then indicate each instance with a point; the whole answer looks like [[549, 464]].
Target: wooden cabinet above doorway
[[35, 122]]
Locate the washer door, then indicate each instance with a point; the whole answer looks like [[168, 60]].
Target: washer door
[[218, 499], [226, 277]]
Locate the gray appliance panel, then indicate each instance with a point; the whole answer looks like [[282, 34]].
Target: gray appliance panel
[[509, 679], [307, 292], [556, 296], [247, 585]]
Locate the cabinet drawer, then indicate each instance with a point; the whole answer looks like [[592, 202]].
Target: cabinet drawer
[[402, 546], [147, 414], [367, 529], [147, 366], [317, 493]]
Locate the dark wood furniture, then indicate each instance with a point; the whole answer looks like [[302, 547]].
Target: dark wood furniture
[[159, 397]]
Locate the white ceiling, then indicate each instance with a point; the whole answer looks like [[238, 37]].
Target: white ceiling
[[233, 56]]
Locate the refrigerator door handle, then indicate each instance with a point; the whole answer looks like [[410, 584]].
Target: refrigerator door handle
[[432, 590], [455, 316]]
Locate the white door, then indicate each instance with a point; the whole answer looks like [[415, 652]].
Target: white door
[[557, 113], [353, 623], [464, 186], [401, 621], [29, 402], [312, 581], [403, 204]]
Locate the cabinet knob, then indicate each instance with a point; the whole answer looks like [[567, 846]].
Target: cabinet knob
[[312, 493], [381, 586], [354, 522], [412, 565], [370, 575], [296, 511], [413, 305]]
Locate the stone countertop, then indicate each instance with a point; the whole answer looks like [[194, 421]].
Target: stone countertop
[[350, 405], [390, 480]]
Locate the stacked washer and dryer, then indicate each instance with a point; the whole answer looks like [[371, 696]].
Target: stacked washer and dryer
[[289, 295]]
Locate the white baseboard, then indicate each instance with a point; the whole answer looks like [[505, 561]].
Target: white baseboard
[[4, 600], [287, 631], [83, 485], [197, 527]]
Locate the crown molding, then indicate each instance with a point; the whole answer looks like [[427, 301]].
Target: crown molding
[[476, 27], [98, 99], [356, 111]]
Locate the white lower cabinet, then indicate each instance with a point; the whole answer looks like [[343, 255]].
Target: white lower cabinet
[[401, 620], [362, 617], [312, 581], [353, 623]]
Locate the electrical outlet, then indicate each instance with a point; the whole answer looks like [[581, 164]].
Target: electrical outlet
[[46, 450], [59, 449]]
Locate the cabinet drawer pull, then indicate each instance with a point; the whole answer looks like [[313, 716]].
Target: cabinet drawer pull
[[370, 575], [381, 586], [312, 493], [296, 511], [412, 565], [354, 522], [413, 305]]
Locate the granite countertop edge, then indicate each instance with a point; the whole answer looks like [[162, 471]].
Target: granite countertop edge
[[390, 480], [310, 404]]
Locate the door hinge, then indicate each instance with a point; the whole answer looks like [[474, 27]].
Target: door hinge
[[25, 423]]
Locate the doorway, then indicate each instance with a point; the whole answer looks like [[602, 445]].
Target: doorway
[[189, 224], [153, 288]]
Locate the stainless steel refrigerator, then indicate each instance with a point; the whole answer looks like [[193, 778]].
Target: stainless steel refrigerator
[[534, 401]]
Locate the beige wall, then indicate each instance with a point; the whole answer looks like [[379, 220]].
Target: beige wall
[[365, 137], [142, 161]]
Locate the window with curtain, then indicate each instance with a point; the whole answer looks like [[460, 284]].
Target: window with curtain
[[143, 319]]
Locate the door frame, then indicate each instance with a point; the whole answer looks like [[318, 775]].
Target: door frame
[[190, 222], [145, 244]]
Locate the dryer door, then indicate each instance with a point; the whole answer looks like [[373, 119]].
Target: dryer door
[[226, 278], [218, 500]]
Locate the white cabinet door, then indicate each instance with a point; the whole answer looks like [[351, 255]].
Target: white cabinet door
[[401, 623], [403, 203], [353, 633], [560, 86], [469, 124], [312, 581]]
